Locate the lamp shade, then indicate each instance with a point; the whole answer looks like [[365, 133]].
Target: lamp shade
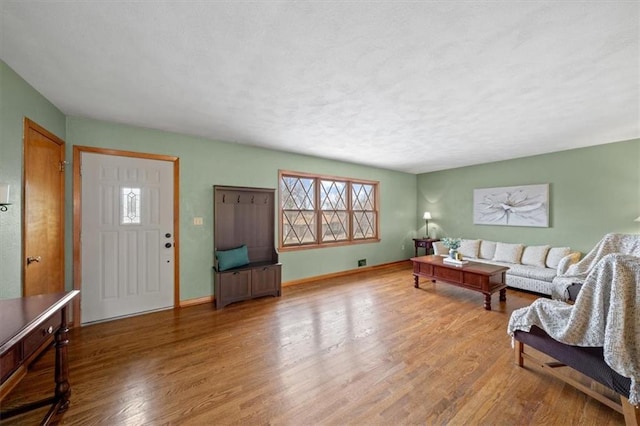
[[426, 216]]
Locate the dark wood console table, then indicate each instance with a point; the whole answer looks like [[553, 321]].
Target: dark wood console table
[[29, 324], [425, 243]]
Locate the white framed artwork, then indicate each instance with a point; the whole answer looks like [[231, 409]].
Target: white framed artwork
[[525, 205]]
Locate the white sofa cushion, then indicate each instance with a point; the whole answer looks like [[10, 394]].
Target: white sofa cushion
[[469, 248], [510, 253], [568, 260], [525, 271], [532, 272], [555, 255], [487, 249], [439, 248], [535, 255]]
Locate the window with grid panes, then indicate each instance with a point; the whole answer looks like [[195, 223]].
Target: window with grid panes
[[323, 210]]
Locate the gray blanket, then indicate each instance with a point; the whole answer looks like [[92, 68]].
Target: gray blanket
[[577, 273], [606, 314]]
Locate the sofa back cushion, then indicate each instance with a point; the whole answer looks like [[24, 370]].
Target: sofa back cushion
[[439, 248], [509, 253], [487, 249], [555, 255], [535, 255], [469, 248]]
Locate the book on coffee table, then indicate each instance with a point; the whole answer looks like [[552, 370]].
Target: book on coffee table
[[454, 262]]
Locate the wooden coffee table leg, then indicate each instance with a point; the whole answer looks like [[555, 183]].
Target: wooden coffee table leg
[[503, 295], [487, 301]]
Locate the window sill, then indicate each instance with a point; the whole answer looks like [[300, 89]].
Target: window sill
[[327, 245]]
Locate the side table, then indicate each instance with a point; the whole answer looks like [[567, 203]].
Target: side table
[[425, 243], [28, 325]]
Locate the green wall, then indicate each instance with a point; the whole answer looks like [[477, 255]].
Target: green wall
[[204, 163], [592, 191], [18, 100]]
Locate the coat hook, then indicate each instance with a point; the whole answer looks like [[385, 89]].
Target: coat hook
[[223, 197]]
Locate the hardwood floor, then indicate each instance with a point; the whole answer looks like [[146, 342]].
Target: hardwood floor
[[364, 349]]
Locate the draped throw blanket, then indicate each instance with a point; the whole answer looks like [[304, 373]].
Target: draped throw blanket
[[606, 314], [577, 273]]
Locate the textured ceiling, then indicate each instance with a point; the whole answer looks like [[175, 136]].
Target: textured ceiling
[[404, 85]]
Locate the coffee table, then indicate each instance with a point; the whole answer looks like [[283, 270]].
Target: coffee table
[[481, 277]]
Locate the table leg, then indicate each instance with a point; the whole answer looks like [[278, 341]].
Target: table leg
[[63, 388], [503, 295], [62, 391], [415, 281], [487, 301]]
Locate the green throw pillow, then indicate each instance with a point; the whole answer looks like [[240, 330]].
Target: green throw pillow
[[233, 258]]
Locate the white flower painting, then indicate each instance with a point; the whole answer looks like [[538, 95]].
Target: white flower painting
[[526, 205]]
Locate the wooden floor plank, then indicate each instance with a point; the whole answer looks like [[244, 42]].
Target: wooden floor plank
[[364, 349]]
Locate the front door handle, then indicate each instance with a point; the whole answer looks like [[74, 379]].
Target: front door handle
[[32, 259]]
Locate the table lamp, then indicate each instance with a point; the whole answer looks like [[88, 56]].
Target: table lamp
[[426, 216]]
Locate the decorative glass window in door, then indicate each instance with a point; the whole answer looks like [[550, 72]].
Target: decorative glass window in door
[[131, 199]]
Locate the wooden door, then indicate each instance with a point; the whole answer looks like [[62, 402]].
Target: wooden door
[[127, 236], [43, 211]]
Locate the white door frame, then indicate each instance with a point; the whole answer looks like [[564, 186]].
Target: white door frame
[[77, 216]]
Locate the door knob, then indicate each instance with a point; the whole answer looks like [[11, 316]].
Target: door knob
[[32, 259]]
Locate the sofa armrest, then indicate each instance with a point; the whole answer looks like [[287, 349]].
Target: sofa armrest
[[567, 261]]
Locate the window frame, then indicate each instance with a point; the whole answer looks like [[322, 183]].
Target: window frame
[[318, 211]]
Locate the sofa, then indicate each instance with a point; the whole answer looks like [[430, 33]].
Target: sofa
[[531, 268]]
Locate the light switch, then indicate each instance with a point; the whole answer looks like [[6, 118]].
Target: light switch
[[197, 221]]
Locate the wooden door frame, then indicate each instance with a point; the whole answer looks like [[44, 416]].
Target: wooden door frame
[[77, 217], [32, 125]]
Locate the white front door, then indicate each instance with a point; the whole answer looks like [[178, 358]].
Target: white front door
[[126, 236]]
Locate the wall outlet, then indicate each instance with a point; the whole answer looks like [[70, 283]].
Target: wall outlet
[[362, 262], [197, 221]]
